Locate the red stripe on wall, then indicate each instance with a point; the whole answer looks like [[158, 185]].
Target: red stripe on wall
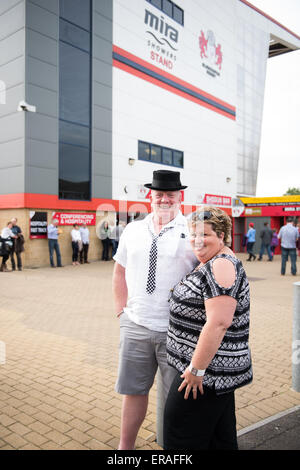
[[155, 69], [160, 84], [52, 202]]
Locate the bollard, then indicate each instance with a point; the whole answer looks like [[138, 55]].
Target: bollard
[[296, 339], [160, 404]]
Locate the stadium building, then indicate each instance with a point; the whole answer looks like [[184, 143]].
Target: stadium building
[[96, 94]]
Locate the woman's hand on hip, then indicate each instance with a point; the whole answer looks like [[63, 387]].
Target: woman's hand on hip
[[192, 383]]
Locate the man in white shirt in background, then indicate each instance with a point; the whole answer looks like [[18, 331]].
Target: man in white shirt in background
[[288, 234], [8, 235], [85, 237], [153, 255]]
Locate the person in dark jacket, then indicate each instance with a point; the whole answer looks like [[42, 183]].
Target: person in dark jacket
[[18, 246], [266, 238]]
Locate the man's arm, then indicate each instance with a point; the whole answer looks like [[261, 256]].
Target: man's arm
[[119, 285]]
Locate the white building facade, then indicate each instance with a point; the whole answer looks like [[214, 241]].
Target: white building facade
[[194, 84]]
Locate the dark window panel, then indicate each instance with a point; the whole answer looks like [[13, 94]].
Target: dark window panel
[[178, 14], [74, 170], [167, 8], [155, 153], [75, 134], [157, 3], [76, 11], [144, 151], [167, 156], [178, 158], [74, 84], [74, 35], [74, 162], [78, 191]]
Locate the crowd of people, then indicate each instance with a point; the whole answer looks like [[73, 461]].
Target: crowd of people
[[288, 237], [12, 243], [80, 241]]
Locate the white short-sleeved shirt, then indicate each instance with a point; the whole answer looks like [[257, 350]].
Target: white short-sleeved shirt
[[75, 235], [175, 259]]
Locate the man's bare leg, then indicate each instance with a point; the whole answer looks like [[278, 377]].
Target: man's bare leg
[[134, 410]]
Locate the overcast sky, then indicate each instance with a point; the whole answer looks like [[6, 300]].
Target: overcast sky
[[279, 162]]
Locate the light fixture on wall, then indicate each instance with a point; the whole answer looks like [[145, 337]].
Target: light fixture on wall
[[125, 189], [23, 106], [228, 179], [131, 161]]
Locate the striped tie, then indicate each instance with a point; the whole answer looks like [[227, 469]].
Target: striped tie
[[151, 281]]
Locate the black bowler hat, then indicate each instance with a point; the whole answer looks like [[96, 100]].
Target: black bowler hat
[[165, 180]]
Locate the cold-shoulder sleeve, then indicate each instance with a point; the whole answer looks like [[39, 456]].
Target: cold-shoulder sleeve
[[211, 288]]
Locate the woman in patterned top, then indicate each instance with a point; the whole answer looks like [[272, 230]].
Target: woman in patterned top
[[208, 340]]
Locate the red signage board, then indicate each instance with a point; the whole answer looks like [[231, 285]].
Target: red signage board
[[215, 200], [70, 218]]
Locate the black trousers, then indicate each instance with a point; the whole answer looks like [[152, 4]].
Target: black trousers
[[208, 422], [250, 246], [4, 259], [84, 252], [75, 251], [105, 252], [12, 259]]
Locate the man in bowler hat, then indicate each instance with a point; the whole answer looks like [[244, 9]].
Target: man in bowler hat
[[152, 256]]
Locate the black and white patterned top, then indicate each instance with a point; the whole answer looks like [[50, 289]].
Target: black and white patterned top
[[231, 366]]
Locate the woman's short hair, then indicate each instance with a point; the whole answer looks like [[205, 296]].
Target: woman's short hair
[[218, 219]]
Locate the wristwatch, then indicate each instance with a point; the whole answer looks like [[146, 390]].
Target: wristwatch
[[196, 372]]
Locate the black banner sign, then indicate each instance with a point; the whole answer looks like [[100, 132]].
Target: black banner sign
[[38, 224]]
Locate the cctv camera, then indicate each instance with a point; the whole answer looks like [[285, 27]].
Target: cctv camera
[[23, 106]]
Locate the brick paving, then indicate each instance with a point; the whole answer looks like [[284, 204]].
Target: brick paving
[[61, 337]]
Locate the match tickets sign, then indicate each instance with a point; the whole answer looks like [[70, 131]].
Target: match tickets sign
[[38, 224], [71, 218]]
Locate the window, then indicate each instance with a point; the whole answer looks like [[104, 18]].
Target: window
[[178, 159], [170, 9], [167, 7], [144, 151], [155, 153], [177, 14], [75, 99], [73, 35], [74, 84], [77, 12], [158, 154], [167, 156], [156, 3]]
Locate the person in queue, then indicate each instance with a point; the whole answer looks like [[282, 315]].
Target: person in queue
[[153, 254], [76, 244], [53, 233], [7, 238], [207, 340]]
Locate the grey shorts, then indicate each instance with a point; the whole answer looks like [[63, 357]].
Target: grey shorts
[[141, 352]]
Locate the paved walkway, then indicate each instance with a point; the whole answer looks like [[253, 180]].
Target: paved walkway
[[61, 337]]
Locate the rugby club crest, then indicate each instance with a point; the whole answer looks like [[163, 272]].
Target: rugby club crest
[[210, 53]]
